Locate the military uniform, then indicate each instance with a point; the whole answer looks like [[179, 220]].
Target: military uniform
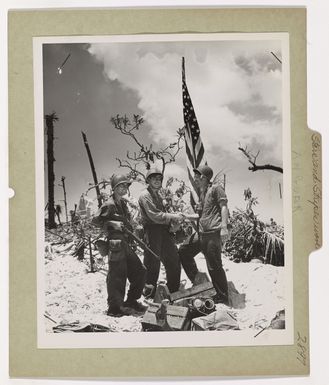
[[123, 261], [156, 223], [208, 242]]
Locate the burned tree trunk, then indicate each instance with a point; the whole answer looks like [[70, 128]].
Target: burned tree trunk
[[50, 162], [65, 201], [99, 197], [58, 211]]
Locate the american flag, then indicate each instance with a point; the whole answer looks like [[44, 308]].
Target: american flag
[[193, 143]]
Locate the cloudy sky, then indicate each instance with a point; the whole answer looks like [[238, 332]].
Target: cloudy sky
[[235, 86]]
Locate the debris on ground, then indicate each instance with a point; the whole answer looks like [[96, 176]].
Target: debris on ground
[[74, 295]]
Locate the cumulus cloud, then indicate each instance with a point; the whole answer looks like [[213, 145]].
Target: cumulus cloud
[[235, 88], [175, 171]]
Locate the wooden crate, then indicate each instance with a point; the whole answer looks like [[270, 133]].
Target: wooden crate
[[204, 290], [176, 318]]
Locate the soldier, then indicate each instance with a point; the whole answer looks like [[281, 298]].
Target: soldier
[[213, 231], [123, 261], [156, 222]]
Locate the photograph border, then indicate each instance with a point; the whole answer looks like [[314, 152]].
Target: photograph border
[[179, 338], [25, 358]]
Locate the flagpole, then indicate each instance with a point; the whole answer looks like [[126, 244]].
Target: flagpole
[[183, 70], [193, 143], [186, 126]]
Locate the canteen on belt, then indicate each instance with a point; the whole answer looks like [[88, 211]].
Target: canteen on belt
[[102, 246]]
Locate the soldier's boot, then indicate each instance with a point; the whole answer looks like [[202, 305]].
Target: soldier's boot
[[119, 311], [135, 305]]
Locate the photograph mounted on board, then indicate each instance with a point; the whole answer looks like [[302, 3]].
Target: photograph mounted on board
[[163, 190]]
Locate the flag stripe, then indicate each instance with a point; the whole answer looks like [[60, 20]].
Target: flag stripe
[[189, 155], [191, 179], [193, 143], [200, 157], [198, 145]]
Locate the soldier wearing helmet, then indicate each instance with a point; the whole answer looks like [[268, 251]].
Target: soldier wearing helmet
[[118, 179], [204, 171], [156, 222], [213, 231], [123, 261]]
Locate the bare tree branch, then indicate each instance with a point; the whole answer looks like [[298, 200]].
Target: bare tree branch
[[177, 144], [145, 155], [103, 184], [123, 124], [252, 159], [139, 158], [133, 168]]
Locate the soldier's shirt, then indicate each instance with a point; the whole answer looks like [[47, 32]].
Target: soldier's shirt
[[152, 208], [211, 218]]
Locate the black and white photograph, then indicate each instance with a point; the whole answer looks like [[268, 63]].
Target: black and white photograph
[[163, 186]]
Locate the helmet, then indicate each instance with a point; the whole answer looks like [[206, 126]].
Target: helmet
[[205, 171], [119, 179], [153, 171]]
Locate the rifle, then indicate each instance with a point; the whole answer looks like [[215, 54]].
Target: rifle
[[120, 226], [142, 244]]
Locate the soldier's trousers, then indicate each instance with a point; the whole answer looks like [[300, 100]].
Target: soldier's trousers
[[124, 264], [210, 245], [161, 243]]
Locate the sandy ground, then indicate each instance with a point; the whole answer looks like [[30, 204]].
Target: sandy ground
[[74, 294]]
